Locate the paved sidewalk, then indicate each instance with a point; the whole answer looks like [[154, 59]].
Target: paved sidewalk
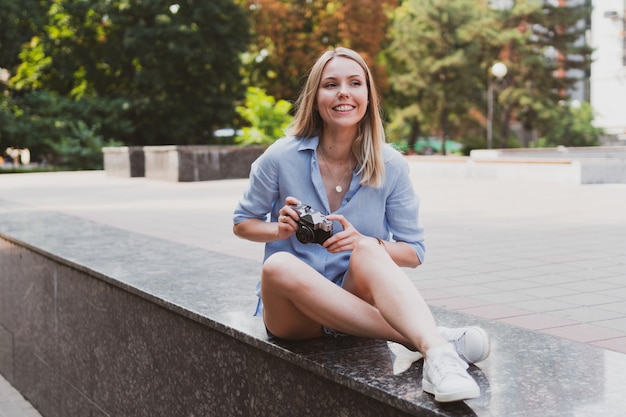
[[543, 256], [12, 404]]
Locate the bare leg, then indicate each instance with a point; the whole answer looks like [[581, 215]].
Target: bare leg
[[298, 301], [379, 301], [374, 277]]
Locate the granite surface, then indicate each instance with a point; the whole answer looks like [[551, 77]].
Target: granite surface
[[101, 338]]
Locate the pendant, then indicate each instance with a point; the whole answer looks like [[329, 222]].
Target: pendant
[[339, 188]]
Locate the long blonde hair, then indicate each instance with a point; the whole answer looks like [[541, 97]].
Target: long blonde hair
[[367, 147]]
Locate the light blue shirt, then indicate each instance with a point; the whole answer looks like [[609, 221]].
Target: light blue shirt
[[289, 167]]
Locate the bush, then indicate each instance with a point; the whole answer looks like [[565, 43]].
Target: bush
[[267, 118], [82, 149], [571, 126], [54, 128]]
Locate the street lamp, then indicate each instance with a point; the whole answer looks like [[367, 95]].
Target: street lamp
[[498, 70]]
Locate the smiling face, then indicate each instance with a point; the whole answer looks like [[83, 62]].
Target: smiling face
[[342, 96]]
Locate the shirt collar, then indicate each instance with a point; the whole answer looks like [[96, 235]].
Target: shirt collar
[[309, 144]]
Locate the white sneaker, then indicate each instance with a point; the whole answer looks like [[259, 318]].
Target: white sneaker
[[471, 343], [445, 376]]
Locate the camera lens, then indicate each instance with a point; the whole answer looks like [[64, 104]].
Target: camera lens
[[305, 234]]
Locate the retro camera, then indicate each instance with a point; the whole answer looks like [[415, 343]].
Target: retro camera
[[313, 227]]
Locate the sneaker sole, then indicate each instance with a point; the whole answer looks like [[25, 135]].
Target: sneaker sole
[[450, 396]]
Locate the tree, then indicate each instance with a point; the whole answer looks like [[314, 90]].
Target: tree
[[20, 20], [408, 79], [53, 127], [436, 61], [545, 58], [441, 52], [289, 35], [175, 65]]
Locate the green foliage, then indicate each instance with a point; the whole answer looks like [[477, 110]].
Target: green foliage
[[289, 35], [268, 118], [571, 126], [20, 20], [177, 69], [435, 63], [34, 63], [46, 123], [537, 77], [144, 72], [81, 148], [440, 52]]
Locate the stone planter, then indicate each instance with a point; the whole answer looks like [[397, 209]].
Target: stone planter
[[199, 162], [124, 161]]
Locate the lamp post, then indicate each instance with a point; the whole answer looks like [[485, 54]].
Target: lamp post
[[499, 71]]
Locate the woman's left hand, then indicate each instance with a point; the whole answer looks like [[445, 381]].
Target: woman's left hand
[[345, 240]]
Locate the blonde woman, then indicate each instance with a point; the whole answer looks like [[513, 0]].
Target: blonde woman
[[334, 170]]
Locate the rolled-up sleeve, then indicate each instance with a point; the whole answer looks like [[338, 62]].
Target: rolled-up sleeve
[[402, 208], [259, 197]]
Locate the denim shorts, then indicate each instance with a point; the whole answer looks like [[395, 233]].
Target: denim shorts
[[326, 331]]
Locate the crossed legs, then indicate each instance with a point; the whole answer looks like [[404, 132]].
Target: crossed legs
[[377, 300]]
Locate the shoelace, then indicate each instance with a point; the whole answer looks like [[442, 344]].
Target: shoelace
[[448, 364], [459, 346], [455, 337]]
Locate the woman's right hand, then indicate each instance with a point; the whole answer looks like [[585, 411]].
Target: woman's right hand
[[288, 218]]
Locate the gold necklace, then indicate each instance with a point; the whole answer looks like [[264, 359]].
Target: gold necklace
[[338, 187]]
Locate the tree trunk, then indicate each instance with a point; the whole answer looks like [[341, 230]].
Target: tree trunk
[[416, 128], [505, 127], [527, 134], [444, 130]]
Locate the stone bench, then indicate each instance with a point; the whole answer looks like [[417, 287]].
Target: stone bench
[[181, 163], [594, 165], [100, 321], [124, 161]]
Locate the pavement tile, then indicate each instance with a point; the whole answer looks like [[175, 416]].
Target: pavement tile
[[618, 344], [456, 303], [470, 290], [537, 321], [557, 267], [587, 299], [618, 324], [592, 285], [478, 278], [432, 284], [510, 285], [552, 279], [430, 294], [587, 314], [584, 333], [549, 291], [495, 311], [617, 272], [620, 307], [506, 297], [541, 305], [619, 291]]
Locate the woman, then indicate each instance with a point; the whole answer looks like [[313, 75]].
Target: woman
[[335, 160]]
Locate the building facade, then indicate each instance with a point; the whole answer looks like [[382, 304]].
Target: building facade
[[608, 68]]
